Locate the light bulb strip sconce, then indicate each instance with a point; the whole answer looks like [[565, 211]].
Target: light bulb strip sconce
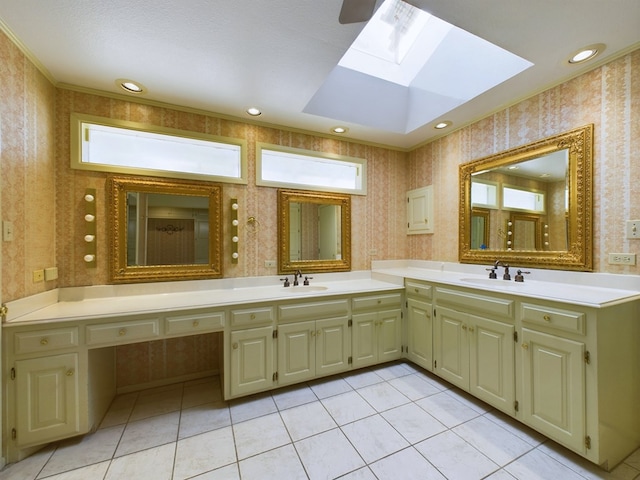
[[90, 227], [234, 230]]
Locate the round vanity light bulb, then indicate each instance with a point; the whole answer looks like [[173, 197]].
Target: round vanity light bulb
[[509, 242], [546, 234], [89, 198], [234, 206], [89, 218], [546, 243], [509, 232], [235, 255], [89, 238], [89, 258], [509, 223], [235, 223], [234, 239]]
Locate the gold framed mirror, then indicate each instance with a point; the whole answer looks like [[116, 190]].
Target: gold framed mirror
[[314, 232], [544, 189], [163, 229]]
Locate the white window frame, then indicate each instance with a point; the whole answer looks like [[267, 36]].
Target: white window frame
[[488, 183], [80, 124], [318, 158], [534, 192]]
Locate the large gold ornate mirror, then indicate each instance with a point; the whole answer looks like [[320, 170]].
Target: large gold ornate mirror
[[164, 230], [533, 204], [314, 232]]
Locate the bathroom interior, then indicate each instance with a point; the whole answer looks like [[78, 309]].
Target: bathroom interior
[[43, 208]]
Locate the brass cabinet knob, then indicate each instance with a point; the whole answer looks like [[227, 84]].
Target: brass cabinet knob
[[122, 332], [235, 345], [471, 329], [196, 323], [525, 346], [547, 318], [416, 290], [253, 316], [70, 373], [379, 301], [44, 341], [313, 333], [464, 327], [319, 332]]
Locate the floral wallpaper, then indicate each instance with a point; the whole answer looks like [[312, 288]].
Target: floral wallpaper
[[42, 196]]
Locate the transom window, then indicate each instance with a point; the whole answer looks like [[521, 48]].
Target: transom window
[[108, 145]]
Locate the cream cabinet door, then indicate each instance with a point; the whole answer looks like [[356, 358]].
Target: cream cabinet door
[[251, 360], [420, 333], [47, 399], [365, 339], [491, 362], [389, 335], [333, 346], [452, 346], [296, 352], [553, 385]]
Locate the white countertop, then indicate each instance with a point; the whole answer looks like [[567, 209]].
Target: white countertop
[[121, 300], [77, 303], [578, 288]]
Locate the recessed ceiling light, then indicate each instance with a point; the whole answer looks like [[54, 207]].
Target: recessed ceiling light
[[130, 86], [441, 125], [340, 130], [253, 111], [586, 53]]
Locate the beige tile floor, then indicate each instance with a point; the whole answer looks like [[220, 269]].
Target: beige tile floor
[[390, 422]]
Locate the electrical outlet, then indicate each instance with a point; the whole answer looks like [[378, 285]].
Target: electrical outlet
[[38, 276], [633, 228], [622, 258], [269, 263]]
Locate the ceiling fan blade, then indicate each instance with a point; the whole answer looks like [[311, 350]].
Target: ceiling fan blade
[[354, 11]]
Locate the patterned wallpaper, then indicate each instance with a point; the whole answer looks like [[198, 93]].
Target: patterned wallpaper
[[42, 196]]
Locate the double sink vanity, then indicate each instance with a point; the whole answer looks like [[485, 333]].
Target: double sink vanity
[[559, 355]]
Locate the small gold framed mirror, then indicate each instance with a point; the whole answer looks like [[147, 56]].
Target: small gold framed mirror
[[163, 229], [314, 232]]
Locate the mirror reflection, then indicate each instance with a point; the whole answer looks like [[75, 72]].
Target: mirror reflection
[[314, 231], [164, 229], [167, 229], [530, 205], [538, 187]]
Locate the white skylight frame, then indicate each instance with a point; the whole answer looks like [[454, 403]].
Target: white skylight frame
[[420, 85]]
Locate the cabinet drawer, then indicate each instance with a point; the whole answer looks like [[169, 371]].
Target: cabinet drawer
[[252, 316], [377, 301], [417, 289], [473, 303], [313, 310], [45, 340], [123, 332], [567, 320], [201, 322]]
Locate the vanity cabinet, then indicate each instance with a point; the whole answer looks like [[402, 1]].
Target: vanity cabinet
[[476, 351], [553, 369], [252, 350], [419, 323], [317, 346], [50, 391], [377, 329]]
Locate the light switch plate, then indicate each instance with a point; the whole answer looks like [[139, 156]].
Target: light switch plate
[[633, 228]]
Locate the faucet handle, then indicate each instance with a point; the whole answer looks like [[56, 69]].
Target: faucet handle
[[492, 273], [520, 276], [286, 281], [506, 275], [306, 280]]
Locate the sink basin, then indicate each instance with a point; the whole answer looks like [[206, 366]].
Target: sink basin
[[493, 282], [305, 289]]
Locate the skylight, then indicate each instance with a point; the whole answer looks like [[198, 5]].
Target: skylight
[[408, 68]]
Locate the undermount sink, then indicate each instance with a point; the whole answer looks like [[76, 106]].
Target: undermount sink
[[493, 282], [305, 289]]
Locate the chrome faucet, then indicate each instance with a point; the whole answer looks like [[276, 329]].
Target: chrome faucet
[[297, 274], [498, 263]]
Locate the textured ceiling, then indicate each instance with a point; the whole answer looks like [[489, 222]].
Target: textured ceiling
[[223, 56]]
